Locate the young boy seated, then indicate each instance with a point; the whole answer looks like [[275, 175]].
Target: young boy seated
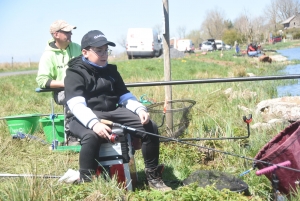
[[95, 90]]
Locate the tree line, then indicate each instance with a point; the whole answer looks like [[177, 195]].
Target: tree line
[[246, 27]]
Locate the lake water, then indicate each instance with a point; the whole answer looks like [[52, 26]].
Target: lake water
[[294, 89]]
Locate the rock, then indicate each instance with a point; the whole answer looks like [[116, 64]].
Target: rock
[[265, 58], [278, 58], [228, 91], [286, 108], [270, 124], [250, 75], [246, 94]]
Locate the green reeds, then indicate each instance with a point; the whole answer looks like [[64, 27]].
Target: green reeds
[[217, 113]]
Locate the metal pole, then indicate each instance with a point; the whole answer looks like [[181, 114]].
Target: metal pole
[[213, 80], [167, 63], [40, 115], [53, 126], [203, 81], [28, 175]]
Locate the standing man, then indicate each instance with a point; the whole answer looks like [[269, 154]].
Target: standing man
[[54, 62]]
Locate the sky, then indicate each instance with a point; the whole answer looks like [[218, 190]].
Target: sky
[[24, 24]]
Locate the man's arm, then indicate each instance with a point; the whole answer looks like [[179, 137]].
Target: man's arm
[[56, 84]]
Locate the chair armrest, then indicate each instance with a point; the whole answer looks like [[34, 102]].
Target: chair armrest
[[38, 90]]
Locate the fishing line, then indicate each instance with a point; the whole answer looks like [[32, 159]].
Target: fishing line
[[110, 123]]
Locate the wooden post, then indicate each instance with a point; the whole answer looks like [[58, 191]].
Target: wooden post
[[167, 63], [12, 61]]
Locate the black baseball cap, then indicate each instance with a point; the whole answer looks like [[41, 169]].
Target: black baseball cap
[[95, 38]]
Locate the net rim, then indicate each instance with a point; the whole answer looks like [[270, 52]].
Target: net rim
[[191, 104]]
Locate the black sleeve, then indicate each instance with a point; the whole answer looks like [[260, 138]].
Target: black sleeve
[[74, 84], [47, 85], [119, 85]]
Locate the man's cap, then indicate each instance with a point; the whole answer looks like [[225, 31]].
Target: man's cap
[[61, 25], [95, 38]]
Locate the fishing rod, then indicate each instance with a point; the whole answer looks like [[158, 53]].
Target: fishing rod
[[29, 175], [200, 81], [110, 123], [213, 80], [40, 115]]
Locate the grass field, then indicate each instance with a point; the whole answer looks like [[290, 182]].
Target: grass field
[[215, 114]]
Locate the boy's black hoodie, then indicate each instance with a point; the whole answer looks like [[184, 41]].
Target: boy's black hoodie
[[101, 87]]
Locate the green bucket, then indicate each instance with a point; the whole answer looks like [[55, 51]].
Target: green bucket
[[59, 128], [26, 123]]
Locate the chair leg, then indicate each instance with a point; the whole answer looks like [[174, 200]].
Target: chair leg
[[129, 180]]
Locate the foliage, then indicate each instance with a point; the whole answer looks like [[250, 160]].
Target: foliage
[[13, 66], [249, 27], [282, 45], [296, 35], [230, 36], [215, 115], [213, 24], [195, 36], [186, 193]]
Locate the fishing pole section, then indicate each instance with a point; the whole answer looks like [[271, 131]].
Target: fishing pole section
[[275, 181], [110, 123]]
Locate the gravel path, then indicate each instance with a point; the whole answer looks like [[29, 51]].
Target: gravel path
[[174, 54], [18, 73]]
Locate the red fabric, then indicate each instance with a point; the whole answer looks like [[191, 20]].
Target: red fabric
[[251, 48], [116, 169], [284, 146]]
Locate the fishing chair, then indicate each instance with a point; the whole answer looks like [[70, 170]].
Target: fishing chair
[[53, 116], [116, 158]]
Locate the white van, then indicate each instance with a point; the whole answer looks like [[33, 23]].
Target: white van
[[143, 42], [185, 45]]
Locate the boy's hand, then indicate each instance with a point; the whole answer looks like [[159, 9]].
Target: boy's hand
[[102, 130], [144, 116]]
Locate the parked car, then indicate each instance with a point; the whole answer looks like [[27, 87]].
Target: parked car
[[185, 45], [220, 44], [207, 46], [277, 39], [227, 47], [213, 42]]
